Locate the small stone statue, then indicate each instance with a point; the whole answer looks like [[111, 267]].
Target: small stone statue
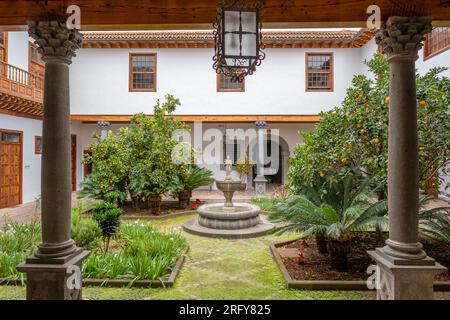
[[228, 164]]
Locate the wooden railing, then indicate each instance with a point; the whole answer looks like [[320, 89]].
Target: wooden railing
[[21, 83]]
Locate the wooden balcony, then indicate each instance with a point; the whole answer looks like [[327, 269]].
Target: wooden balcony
[[21, 93]]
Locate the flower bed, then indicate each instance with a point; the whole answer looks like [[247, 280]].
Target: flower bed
[[139, 254], [315, 272]]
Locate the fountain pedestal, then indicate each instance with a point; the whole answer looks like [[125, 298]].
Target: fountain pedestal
[[228, 220]]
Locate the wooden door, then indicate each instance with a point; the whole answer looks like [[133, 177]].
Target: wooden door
[[10, 168], [73, 153]]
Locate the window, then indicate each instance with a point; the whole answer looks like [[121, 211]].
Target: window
[[9, 137], [319, 72], [224, 84], [37, 145], [437, 41], [143, 72], [35, 56], [3, 46]]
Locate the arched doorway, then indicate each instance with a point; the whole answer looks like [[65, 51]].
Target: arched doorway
[[278, 176]]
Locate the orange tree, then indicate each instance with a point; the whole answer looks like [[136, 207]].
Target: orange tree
[[355, 134]]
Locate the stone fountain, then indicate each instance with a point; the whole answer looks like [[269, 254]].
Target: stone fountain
[[228, 219]]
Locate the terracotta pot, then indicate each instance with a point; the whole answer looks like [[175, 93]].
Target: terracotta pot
[[322, 244], [339, 250], [155, 204], [184, 197], [243, 187]]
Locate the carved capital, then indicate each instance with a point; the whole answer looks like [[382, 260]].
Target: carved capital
[[54, 40], [260, 124], [103, 124], [402, 37]]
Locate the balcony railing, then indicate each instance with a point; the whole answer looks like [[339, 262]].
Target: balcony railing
[[21, 83]]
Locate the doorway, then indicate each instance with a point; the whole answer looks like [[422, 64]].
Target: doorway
[[11, 145]]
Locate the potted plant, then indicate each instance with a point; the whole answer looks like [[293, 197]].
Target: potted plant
[[244, 167], [189, 178], [335, 211]]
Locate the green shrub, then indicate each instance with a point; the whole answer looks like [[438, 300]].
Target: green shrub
[[85, 232], [107, 216], [17, 242]]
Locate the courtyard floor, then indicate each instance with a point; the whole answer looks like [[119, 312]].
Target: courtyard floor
[[219, 269]]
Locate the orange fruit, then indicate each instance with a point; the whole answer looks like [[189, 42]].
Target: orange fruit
[[344, 161], [423, 104], [387, 101]]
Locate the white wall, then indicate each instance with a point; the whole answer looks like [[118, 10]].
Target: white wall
[[100, 81], [367, 53], [440, 60], [423, 66], [18, 49], [31, 163]]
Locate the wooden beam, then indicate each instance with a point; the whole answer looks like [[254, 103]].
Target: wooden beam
[[200, 14], [122, 118]]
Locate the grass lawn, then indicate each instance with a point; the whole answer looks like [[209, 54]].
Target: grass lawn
[[218, 269]]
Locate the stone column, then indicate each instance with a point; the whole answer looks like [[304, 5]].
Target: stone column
[[405, 270], [260, 180], [53, 272], [104, 125]]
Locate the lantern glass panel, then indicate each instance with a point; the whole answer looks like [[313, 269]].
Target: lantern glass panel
[[249, 48], [248, 19], [232, 20], [232, 45]]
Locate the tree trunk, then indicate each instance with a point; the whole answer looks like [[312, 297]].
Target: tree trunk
[[321, 242], [339, 250]]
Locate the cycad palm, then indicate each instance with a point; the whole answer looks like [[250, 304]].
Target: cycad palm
[[434, 222], [333, 210]]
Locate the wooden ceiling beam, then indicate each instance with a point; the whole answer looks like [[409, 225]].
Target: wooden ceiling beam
[[200, 14], [205, 118]]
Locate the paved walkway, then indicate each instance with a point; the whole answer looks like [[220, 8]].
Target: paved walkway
[[29, 211]]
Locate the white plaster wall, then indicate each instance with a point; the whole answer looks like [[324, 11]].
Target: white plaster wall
[[440, 60], [100, 81], [31, 163], [367, 52], [18, 49], [423, 66]]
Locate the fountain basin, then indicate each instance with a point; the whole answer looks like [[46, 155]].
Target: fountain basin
[[240, 216]]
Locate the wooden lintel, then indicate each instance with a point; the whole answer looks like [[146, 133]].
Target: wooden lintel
[[116, 118]]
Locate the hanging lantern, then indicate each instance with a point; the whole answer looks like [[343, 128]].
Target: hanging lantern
[[238, 40]]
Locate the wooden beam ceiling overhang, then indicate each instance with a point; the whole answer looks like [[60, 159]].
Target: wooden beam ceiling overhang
[[124, 118], [200, 14]]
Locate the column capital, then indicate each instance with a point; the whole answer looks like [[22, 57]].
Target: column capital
[[54, 40], [260, 124], [402, 37], [103, 124]]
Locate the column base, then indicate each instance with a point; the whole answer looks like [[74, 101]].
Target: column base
[[405, 281], [260, 186], [49, 280]]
